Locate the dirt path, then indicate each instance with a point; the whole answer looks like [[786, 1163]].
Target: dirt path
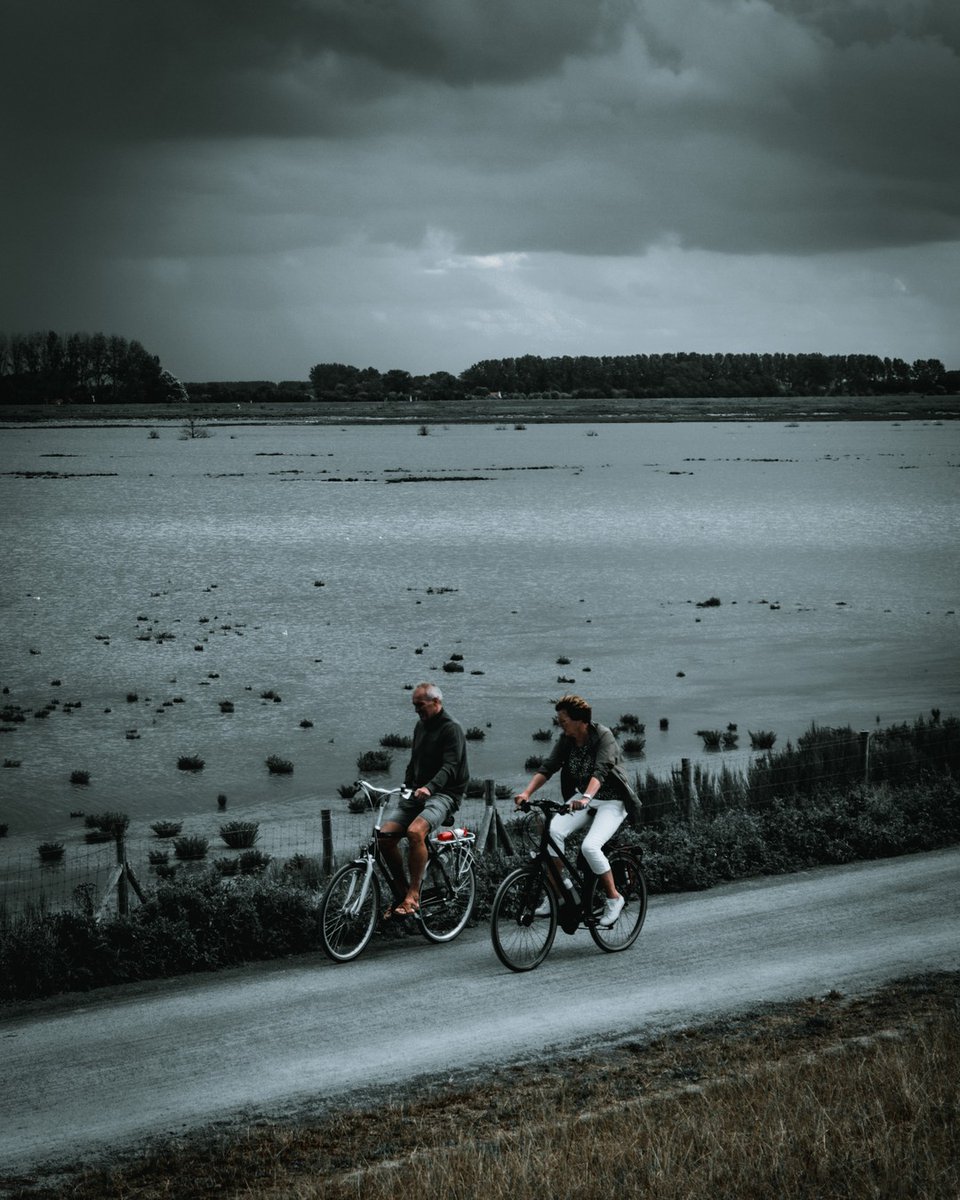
[[87, 1076]]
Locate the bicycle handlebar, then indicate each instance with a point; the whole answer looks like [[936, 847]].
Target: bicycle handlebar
[[378, 793], [545, 806]]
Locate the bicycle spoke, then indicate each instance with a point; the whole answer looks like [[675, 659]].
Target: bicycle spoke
[[521, 938], [447, 895], [348, 914], [628, 877]]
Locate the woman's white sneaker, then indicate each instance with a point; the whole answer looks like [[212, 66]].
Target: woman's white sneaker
[[611, 911]]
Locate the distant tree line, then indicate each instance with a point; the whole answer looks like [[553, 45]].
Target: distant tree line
[[678, 375], [45, 368], [643, 376], [337, 381], [81, 368]]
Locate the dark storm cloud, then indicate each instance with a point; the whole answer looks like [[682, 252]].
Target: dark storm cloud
[[196, 68], [546, 124], [173, 148]]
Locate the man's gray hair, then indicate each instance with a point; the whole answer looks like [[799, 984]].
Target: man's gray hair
[[431, 689]]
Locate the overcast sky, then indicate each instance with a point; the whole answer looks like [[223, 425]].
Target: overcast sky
[[249, 187]]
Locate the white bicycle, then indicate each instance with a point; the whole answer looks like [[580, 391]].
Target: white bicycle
[[351, 904]]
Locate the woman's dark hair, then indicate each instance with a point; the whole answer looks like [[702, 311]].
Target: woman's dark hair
[[576, 708]]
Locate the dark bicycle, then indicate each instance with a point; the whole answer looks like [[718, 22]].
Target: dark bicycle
[[550, 890], [350, 906]]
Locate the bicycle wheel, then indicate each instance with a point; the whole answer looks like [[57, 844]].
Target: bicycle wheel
[[521, 939], [631, 884], [447, 894], [348, 916]]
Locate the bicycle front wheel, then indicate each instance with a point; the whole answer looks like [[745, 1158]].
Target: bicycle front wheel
[[447, 895], [632, 886], [348, 914], [521, 938]]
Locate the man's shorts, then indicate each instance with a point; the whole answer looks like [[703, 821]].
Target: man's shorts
[[435, 810]]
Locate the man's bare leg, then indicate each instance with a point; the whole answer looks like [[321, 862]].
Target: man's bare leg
[[417, 834]]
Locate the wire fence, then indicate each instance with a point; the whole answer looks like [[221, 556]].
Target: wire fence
[[83, 875], [822, 761]]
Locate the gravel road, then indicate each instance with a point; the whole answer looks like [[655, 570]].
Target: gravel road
[[90, 1075]]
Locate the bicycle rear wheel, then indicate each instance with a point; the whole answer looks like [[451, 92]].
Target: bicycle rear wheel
[[348, 917], [521, 939], [632, 886], [447, 894]]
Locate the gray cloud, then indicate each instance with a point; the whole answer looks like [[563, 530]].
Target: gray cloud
[[180, 140]]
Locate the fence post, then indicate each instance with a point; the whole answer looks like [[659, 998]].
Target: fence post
[[492, 835], [123, 899], [864, 740], [326, 833], [122, 879]]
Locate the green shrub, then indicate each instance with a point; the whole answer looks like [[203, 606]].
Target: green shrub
[[396, 741], [374, 761], [190, 762], [763, 739], [80, 778], [475, 734], [240, 835], [279, 766], [253, 862], [50, 851], [303, 870], [191, 847], [166, 829]]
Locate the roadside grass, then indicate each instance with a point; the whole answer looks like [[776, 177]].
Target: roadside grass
[[827, 1097]]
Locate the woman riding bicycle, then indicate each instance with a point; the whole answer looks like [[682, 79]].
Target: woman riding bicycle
[[591, 778]]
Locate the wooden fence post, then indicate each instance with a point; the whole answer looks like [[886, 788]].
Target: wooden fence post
[[123, 899], [864, 740], [326, 833], [493, 834], [120, 879]]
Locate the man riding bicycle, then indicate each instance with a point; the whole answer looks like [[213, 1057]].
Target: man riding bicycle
[[438, 775]]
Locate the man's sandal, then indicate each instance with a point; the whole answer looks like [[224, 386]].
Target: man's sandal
[[408, 908]]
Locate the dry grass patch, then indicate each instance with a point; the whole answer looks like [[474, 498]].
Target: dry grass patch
[[829, 1097]]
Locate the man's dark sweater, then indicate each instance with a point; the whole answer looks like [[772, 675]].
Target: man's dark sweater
[[438, 760]]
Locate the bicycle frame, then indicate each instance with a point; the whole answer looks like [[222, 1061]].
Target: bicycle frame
[[373, 859], [553, 860]]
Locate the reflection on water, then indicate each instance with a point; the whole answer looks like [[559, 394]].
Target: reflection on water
[[156, 578]]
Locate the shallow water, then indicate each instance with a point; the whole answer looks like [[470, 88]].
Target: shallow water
[[831, 546]]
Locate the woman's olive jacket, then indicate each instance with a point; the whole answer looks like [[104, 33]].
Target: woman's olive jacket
[[607, 765]]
